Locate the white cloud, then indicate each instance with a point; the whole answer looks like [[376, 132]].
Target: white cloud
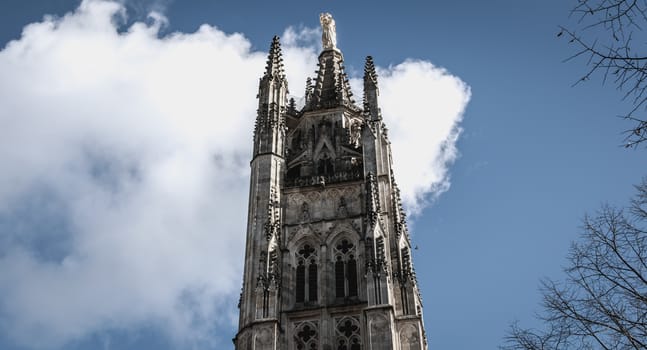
[[422, 106], [124, 160]]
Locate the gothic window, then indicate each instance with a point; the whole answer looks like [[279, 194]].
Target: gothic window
[[340, 289], [347, 334], [306, 275], [306, 336], [345, 269], [325, 165], [301, 282], [351, 276], [312, 282]]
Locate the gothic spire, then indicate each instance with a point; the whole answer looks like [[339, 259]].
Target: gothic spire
[[371, 91], [274, 67], [272, 104], [370, 76]]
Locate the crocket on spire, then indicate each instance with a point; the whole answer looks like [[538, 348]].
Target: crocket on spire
[[371, 91], [274, 65]]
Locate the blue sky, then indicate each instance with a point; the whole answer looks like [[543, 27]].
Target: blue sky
[[535, 154]]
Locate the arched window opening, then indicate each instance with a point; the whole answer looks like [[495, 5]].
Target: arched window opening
[[340, 290], [345, 269], [325, 166], [301, 282], [352, 277], [306, 275], [312, 281]]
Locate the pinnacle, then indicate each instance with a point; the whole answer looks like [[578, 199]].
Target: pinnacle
[[369, 71], [275, 59], [331, 87], [370, 90]]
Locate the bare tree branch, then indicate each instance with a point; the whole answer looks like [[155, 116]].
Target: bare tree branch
[[614, 53], [602, 303]]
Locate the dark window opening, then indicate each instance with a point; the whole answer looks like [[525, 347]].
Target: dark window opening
[[301, 283], [294, 172], [352, 277], [339, 278], [346, 283], [307, 286], [312, 282], [325, 166]]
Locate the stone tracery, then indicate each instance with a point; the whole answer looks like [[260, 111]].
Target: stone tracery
[[307, 278], [348, 335], [306, 336]]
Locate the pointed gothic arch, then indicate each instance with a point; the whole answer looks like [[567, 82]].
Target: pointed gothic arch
[[345, 257], [342, 228], [306, 280], [302, 234]]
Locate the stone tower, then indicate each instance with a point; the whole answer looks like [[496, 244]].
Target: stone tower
[[328, 256]]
